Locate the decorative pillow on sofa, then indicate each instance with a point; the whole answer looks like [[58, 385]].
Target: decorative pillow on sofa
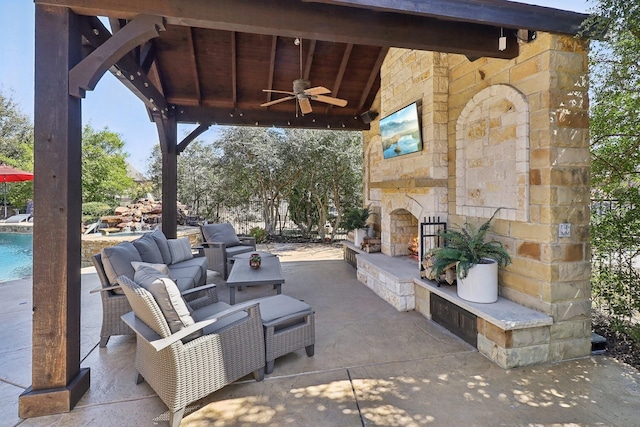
[[166, 293], [180, 249], [116, 261], [223, 233], [162, 268], [163, 246], [148, 249]]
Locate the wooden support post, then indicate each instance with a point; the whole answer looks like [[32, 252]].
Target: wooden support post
[[168, 135], [57, 381]]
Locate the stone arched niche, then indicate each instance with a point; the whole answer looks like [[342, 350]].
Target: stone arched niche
[[492, 155]]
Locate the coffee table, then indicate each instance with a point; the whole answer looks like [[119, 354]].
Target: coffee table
[[269, 273]]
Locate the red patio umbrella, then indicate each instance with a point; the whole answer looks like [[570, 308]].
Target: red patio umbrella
[[9, 174]]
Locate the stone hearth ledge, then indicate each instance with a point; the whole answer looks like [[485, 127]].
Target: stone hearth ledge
[[394, 278]]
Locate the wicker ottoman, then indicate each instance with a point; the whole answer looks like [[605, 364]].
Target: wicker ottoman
[[288, 326]]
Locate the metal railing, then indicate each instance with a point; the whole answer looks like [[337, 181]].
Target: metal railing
[[250, 215]]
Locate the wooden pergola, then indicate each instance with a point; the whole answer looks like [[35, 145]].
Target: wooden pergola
[[207, 62]]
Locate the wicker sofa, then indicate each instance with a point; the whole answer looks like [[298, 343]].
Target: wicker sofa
[[173, 255]]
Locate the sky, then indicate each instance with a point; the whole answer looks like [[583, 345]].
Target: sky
[[111, 104]]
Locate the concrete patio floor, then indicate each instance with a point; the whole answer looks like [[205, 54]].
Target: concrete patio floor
[[373, 366]]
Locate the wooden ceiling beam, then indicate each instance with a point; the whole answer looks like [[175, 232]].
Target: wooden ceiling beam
[[234, 69], [339, 76], [309, 59], [498, 13], [194, 63], [326, 22], [147, 55], [272, 66], [267, 118], [372, 78]]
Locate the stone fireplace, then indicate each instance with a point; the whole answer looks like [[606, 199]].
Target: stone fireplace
[[509, 134]]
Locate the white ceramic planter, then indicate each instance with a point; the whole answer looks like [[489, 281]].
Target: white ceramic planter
[[481, 284], [358, 236]]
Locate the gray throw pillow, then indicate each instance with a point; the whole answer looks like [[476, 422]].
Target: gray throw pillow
[[116, 261], [180, 249], [222, 233], [163, 246], [148, 249], [167, 295], [162, 268]]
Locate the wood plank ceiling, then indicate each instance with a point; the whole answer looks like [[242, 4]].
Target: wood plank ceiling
[[213, 59]]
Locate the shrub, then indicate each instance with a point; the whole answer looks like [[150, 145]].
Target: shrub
[[92, 211], [259, 233]]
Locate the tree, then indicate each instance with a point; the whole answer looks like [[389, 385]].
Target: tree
[[16, 148], [258, 163], [104, 169], [331, 177], [615, 150]]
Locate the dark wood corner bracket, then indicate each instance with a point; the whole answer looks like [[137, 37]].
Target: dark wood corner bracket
[[111, 51]]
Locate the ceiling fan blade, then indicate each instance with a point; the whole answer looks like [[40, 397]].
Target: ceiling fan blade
[[277, 101], [318, 90], [278, 91], [330, 100], [305, 105]]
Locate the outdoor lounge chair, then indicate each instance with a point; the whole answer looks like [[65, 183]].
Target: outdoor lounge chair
[[220, 243], [230, 346]]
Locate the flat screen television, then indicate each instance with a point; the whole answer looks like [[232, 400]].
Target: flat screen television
[[400, 132]]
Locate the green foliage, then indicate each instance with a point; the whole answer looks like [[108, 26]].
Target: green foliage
[[92, 211], [104, 169], [259, 233], [16, 135], [355, 218], [16, 150], [615, 158], [467, 246], [303, 210]]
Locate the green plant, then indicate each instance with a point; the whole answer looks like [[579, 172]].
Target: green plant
[[259, 233], [467, 247], [92, 211], [355, 218]]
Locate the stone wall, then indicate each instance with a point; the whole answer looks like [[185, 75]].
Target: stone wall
[[499, 133]]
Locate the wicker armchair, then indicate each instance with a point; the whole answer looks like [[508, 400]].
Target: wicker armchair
[[220, 243], [181, 373]]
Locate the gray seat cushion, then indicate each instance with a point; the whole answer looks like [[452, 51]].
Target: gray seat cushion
[[212, 310], [280, 306], [221, 233], [186, 278], [235, 250], [199, 276]]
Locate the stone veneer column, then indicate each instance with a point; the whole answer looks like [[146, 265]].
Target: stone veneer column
[[548, 273]]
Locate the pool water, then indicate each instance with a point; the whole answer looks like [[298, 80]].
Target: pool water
[[16, 256]]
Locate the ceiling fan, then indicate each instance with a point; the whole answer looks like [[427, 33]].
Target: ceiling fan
[[303, 93]]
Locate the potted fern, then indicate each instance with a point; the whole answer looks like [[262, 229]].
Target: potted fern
[[356, 219], [476, 261]]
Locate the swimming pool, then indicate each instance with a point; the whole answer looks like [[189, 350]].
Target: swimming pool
[[16, 256]]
